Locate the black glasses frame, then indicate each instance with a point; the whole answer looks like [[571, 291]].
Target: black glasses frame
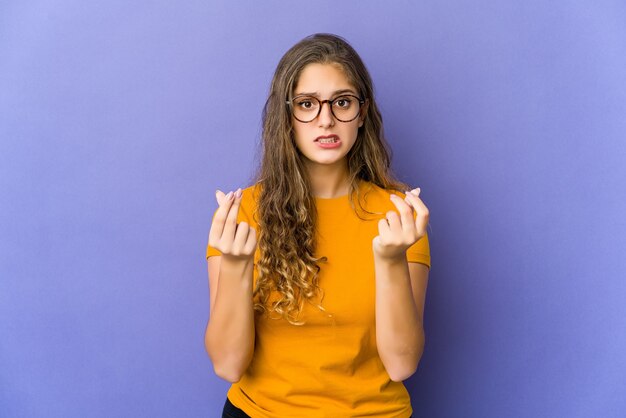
[[330, 105]]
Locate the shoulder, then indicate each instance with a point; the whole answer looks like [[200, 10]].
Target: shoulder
[[378, 191], [251, 193], [376, 198], [248, 206]]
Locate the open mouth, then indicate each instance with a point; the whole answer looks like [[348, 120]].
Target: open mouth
[[330, 139], [327, 140]]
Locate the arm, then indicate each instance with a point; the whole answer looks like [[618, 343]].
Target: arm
[[400, 295], [229, 336], [400, 288]]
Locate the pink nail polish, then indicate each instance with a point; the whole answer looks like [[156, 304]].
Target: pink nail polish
[[238, 193]]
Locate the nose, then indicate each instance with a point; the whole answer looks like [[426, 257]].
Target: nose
[[325, 118]]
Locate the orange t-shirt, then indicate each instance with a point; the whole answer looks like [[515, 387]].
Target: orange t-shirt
[[328, 367]]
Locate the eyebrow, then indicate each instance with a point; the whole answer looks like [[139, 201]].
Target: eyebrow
[[316, 94]]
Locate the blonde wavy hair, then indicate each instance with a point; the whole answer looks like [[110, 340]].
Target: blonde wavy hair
[[288, 268]]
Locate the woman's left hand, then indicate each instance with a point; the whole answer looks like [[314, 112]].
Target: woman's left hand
[[396, 233]]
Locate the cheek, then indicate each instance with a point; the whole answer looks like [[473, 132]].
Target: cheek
[[352, 131], [300, 135], [298, 132]]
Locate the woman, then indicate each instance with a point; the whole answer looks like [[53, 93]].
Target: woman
[[321, 315]]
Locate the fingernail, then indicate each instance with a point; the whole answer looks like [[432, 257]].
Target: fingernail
[[229, 195], [238, 193], [417, 191]]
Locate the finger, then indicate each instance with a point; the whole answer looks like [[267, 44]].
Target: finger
[[230, 225], [383, 230], [406, 213], [422, 212], [250, 245], [219, 196], [395, 226], [416, 202], [241, 236], [217, 226]]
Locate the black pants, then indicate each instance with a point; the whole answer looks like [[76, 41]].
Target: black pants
[[231, 411]]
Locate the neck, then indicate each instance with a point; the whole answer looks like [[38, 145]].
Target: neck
[[329, 181]]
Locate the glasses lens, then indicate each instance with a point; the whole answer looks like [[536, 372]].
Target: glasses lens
[[346, 108], [305, 108]]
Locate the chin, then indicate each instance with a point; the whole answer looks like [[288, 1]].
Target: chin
[[327, 161]]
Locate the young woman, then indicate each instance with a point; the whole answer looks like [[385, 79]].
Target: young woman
[[318, 272]]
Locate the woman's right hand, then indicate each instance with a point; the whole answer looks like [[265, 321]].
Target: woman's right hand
[[234, 240], [229, 336]]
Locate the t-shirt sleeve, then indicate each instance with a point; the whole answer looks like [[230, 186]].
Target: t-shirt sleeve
[[419, 252], [244, 215]]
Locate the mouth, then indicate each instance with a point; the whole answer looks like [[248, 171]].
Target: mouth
[[327, 139]]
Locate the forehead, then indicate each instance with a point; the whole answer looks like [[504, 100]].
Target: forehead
[[322, 79]]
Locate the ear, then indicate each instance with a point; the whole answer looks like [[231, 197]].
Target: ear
[[363, 114]]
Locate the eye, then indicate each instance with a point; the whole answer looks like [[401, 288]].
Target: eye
[[306, 103], [343, 102]]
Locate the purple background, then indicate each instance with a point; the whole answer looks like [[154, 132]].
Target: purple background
[[118, 121]]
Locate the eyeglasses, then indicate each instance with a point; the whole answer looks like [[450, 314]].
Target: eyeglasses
[[344, 108]]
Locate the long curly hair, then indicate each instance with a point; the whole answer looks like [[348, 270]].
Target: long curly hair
[[288, 268]]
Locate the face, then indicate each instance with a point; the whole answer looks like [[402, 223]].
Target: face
[[325, 140]]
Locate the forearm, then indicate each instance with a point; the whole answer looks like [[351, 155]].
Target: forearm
[[399, 329], [229, 337]]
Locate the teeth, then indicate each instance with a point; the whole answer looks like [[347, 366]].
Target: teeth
[[327, 140]]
